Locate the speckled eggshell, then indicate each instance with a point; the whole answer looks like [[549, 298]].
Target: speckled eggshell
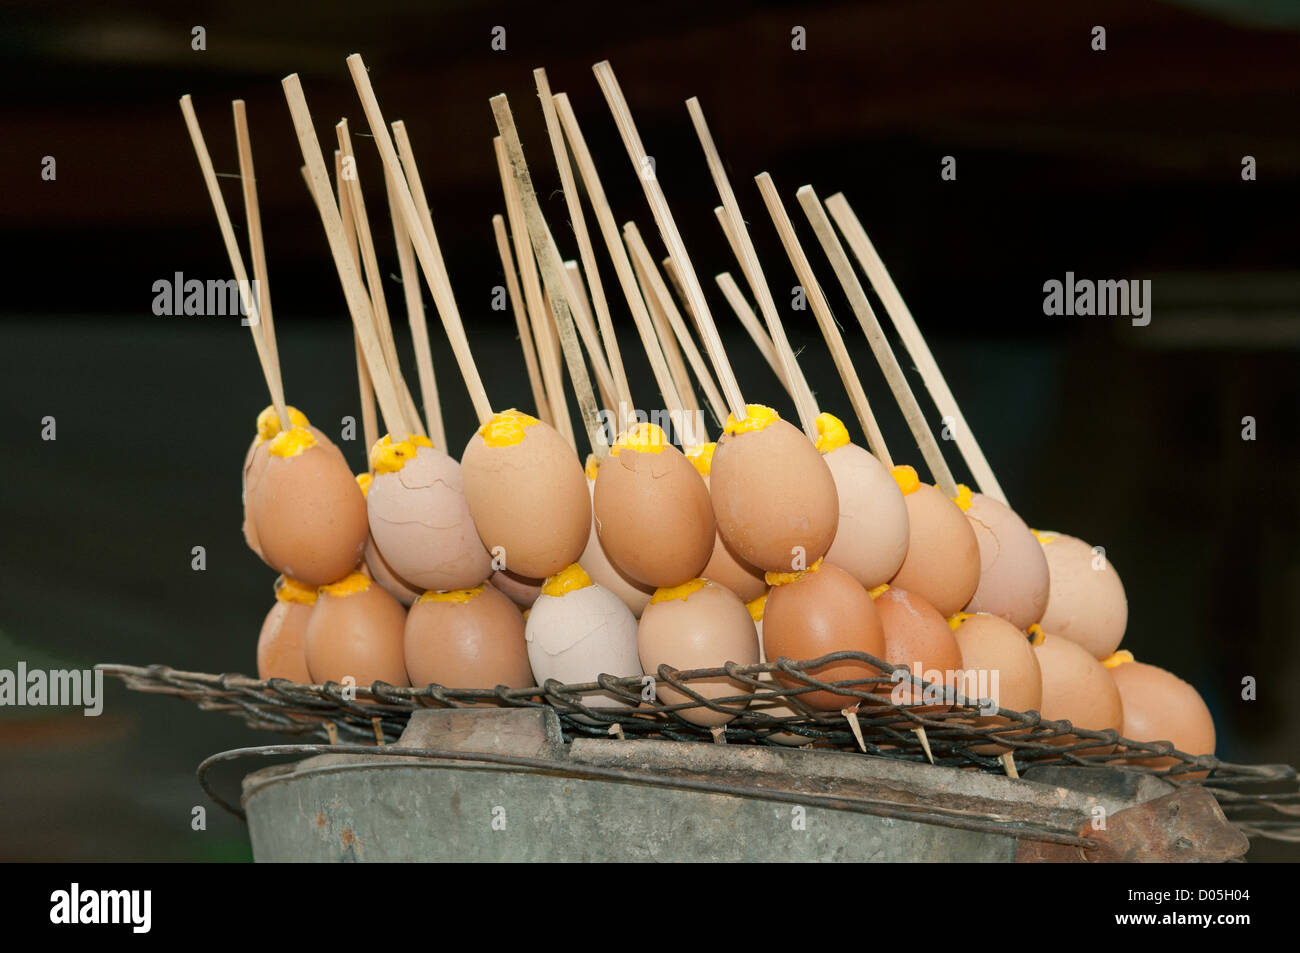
[[361, 634], [1013, 571], [478, 643], [635, 595], [919, 638], [579, 635], [281, 645], [521, 590], [1086, 601], [871, 540], [990, 644], [704, 629], [942, 565], [1160, 706], [421, 524]]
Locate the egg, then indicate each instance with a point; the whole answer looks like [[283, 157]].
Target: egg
[[818, 611], [358, 630], [469, 638], [997, 664], [521, 590], [1086, 601], [773, 495], [871, 540], [919, 638], [527, 494], [419, 518], [696, 625], [374, 566], [1160, 706], [1013, 571], [577, 631], [942, 564], [724, 566], [653, 513], [268, 425], [281, 645], [309, 512], [757, 607], [1076, 688], [635, 595]]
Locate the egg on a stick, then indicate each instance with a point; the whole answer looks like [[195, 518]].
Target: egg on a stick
[[697, 625], [1013, 579], [521, 590], [268, 425], [942, 564], [1160, 706], [467, 638], [374, 566], [1086, 601], [281, 645], [1076, 688], [757, 609], [635, 595], [999, 665], [918, 638], [724, 566], [356, 630]]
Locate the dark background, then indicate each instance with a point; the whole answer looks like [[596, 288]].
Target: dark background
[[1117, 164]]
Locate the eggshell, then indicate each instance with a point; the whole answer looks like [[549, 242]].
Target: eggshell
[[871, 540], [310, 515], [1160, 706], [774, 497], [824, 610], [635, 595], [477, 643], [997, 663], [726, 568], [580, 635], [705, 628], [377, 569], [521, 590], [653, 515], [254, 464], [942, 565], [1013, 571], [421, 524], [529, 500], [1078, 689], [281, 645], [918, 637], [360, 634], [1086, 601], [757, 607]]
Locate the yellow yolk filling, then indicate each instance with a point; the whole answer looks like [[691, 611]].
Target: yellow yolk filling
[[906, 479], [268, 421], [1043, 536], [364, 480], [831, 433], [757, 607], [591, 467], [291, 590], [957, 618], [643, 438], [506, 428], [784, 578], [1036, 634], [349, 585], [757, 417], [1119, 658], [290, 443], [702, 457], [569, 579], [963, 497], [389, 455], [669, 593], [880, 590], [451, 595]]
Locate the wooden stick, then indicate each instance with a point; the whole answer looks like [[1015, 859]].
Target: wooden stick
[[919, 351], [622, 264], [548, 345], [540, 400], [591, 340], [665, 340], [672, 238], [880, 346], [416, 319], [354, 291], [724, 220], [686, 339], [365, 387], [586, 252], [753, 327], [419, 229], [803, 401], [256, 246], [251, 309], [825, 320]]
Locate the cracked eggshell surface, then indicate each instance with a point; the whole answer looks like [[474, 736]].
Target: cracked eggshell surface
[[635, 595], [281, 645], [1160, 706], [419, 518], [527, 494], [724, 566], [374, 566], [773, 496], [469, 638], [1013, 579], [871, 541], [1076, 688], [1086, 601], [356, 629], [942, 564], [919, 638], [699, 624], [653, 513]]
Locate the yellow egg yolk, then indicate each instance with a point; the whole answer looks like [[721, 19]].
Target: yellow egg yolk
[[506, 428], [1118, 659], [349, 585], [643, 438], [268, 421], [1036, 634], [879, 591], [291, 590], [906, 479], [389, 455], [569, 579], [963, 497], [290, 443], [785, 578], [757, 417], [669, 593], [451, 595], [591, 467], [831, 433], [957, 618], [702, 457], [1044, 537], [364, 480], [757, 607]]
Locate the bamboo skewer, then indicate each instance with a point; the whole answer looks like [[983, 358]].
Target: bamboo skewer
[[731, 291], [365, 387], [919, 351], [540, 400], [825, 320], [591, 339], [251, 308], [724, 220], [687, 340], [622, 265], [665, 340]]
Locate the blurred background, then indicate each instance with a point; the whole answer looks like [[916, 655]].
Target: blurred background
[[1122, 163]]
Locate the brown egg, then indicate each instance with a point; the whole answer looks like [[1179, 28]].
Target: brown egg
[[268, 425], [757, 607], [419, 519], [773, 495], [998, 664], [698, 625], [527, 494], [635, 595], [942, 565], [471, 638], [1160, 706], [1086, 601], [309, 512], [521, 590], [281, 645], [724, 566], [817, 612], [358, 630], [377, 569], [918, 637], [1013, 571], [871, 540], [1076, 688]]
